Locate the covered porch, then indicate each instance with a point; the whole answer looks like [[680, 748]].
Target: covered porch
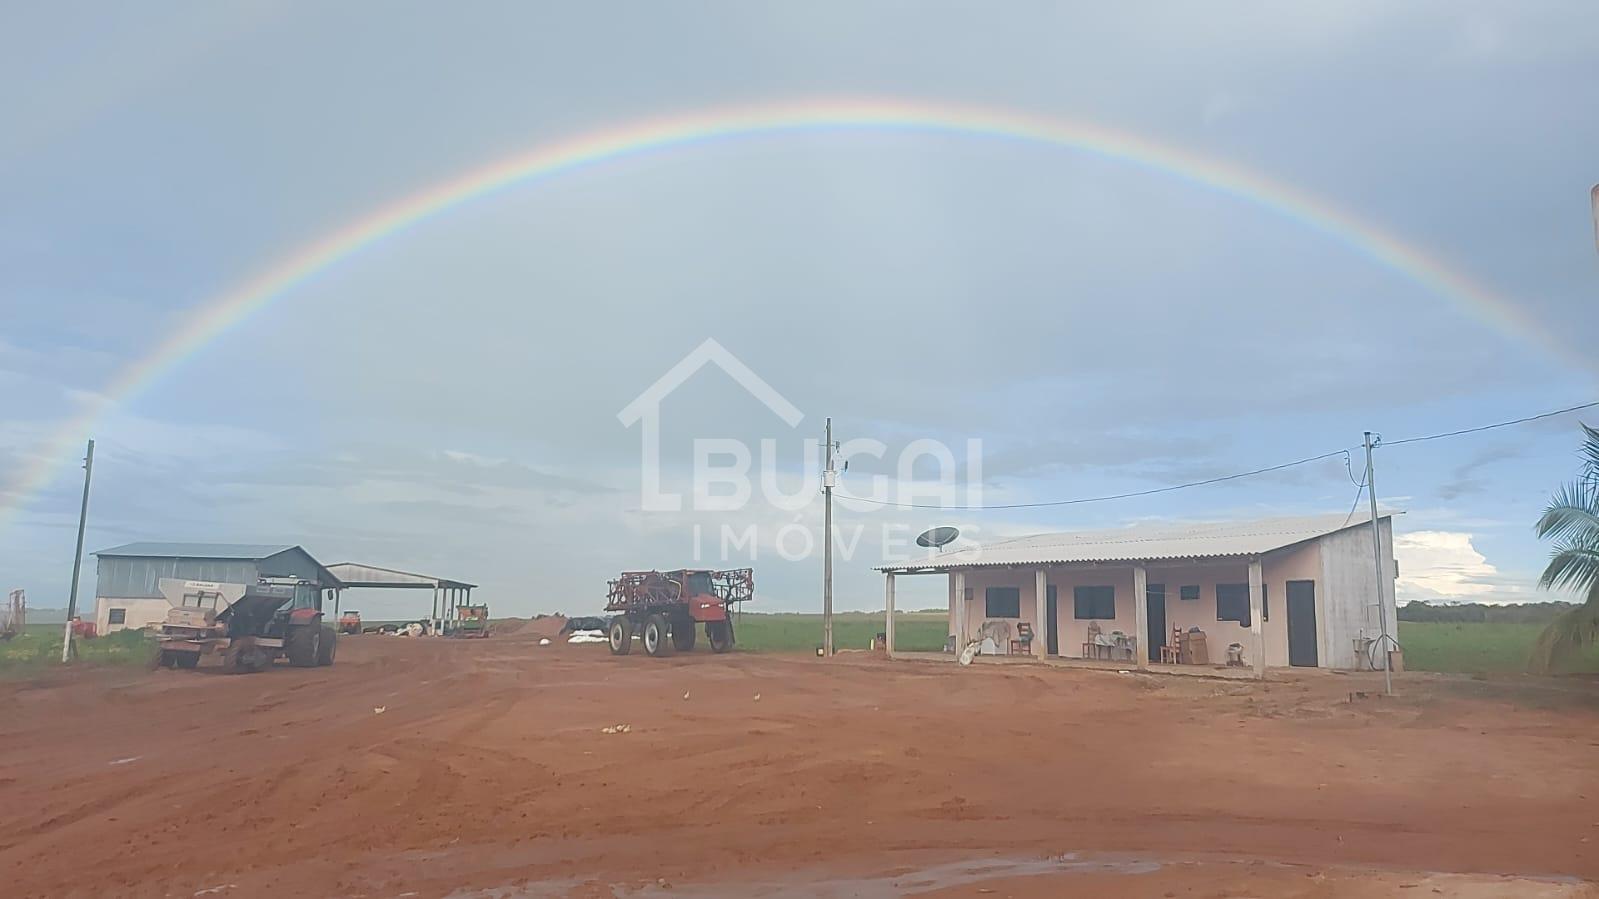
[[1212, 670], [1135, 614], [1302, 592]]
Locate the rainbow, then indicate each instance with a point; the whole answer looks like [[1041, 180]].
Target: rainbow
[[655, 135]]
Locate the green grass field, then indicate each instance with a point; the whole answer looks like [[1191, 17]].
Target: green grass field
[[914, 631], [1477, 648], [39, 647], [1471, 648]]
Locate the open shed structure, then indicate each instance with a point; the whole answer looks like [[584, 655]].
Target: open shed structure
[[448, 595], [1284, 591]]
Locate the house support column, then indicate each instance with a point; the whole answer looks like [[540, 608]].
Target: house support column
[[958, 604], [1256, 632], [888, 608], [949, 590], [1040, 614], [1141, 615]]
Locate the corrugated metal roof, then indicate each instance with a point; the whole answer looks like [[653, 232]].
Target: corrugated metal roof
[[356, 574], [1142, 543], [250, 551]]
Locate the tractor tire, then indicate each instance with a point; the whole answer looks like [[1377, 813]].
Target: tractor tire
[[245, 659], [720, 634], [162, 659], [683, 634], [185, 659], [301, 644], [657, 636], [621, 635], [328, 646]]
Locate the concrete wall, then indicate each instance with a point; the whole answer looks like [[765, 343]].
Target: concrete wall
[[139, 613], [1346, 596], [1297, 563], [132, 583], [1277, 569], [1072, 631], [1303, 562]]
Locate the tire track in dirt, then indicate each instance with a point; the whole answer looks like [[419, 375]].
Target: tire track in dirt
[[488, 765]]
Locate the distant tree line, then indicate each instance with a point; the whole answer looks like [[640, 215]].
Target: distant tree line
[[1518, 613]]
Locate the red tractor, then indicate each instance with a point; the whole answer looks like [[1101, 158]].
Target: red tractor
[[666, 608], [350, 622], [248, 625]]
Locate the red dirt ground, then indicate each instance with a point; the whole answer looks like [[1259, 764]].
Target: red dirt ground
[[487, 774]]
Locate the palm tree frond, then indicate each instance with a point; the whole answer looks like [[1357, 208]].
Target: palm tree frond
[[1573, 513], [1572, 521], [1590, 452], [1567, 635], [1571, 565]]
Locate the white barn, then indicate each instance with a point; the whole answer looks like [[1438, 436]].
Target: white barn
[[1289, 591]]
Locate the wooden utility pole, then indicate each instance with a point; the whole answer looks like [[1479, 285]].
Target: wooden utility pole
[[77, 557]]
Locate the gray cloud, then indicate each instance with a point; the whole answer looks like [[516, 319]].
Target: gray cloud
[[447, 397]]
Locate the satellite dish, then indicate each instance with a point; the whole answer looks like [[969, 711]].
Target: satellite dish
[[937, 537]]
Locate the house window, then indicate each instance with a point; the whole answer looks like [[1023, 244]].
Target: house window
[[1002, 602], [117, 616], [1188, 593], [1093, 602], [1232, 603]]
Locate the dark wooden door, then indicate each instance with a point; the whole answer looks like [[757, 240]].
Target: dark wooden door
[[1051, 624], [1302, 624], [1155, 598]]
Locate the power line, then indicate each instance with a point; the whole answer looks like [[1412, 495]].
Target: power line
[[1107, 498], [1231, 477], [1501, 424], [1359, 489], [1350, 470]]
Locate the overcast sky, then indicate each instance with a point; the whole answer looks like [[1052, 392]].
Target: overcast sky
[[447, 400]]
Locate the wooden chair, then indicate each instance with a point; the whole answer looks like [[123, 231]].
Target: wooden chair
[[1091, 645], [1172, 652], [1022, 643]]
